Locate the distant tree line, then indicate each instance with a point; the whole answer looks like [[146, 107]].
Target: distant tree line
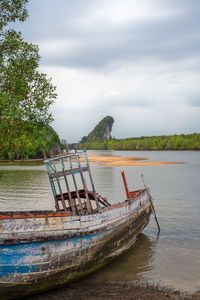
[[30, 143], [170, 142]]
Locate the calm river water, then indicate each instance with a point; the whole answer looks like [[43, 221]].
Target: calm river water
[[172, 259]]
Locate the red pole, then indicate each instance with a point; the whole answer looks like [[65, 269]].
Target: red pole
[[125, 185], [44, 155]]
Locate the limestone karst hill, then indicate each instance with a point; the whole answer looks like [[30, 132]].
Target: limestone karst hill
[[102, 130]]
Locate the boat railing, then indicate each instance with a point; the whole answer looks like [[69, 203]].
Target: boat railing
[[63, 172]]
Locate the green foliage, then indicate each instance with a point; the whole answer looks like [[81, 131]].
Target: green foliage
[[11, 10], [84, 139], [28, 141], [101, 131], [95, 140], [25, 93], [173, 142]]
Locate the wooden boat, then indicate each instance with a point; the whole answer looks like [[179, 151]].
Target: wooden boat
[[41, 250]]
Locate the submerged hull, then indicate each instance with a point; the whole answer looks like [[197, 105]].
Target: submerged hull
[[41, 252]]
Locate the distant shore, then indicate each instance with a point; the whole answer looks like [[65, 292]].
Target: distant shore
[[163, 142], [6, 161], [111, 160]]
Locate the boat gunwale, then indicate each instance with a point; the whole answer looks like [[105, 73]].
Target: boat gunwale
[[52, 213], [70, 235]]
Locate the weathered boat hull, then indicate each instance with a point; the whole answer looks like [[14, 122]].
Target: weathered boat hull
[[64, 248]]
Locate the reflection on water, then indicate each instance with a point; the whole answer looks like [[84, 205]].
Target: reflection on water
[[173, 259], [24, 190], [107, 183], [136, 264]]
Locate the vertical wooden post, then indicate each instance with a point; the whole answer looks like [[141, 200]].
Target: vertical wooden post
[[52, 187], [71, 201], [89, 207], [51, 153], [59, 186], [74, 179], [91, 180]]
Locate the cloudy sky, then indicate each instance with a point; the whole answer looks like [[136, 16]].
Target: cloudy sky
[[136, 60]]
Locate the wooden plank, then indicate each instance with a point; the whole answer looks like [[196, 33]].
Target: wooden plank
[[71, 201], [68, 172], [74, 180], [89, 207], [91, 179]]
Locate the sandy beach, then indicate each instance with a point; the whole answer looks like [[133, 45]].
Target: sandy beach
[[107, 160]]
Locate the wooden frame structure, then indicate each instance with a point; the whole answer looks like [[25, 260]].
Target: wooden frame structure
[[77, 201]]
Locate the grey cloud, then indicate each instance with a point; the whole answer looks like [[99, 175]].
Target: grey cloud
[[195, 101], [54, 19], [127, 101], [171, 38], [160, 53]]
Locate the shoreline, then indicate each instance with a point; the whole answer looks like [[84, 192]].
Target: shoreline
[[108, 160], [115, 290]]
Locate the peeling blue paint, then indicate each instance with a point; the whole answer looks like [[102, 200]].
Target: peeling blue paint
[[17, 258]]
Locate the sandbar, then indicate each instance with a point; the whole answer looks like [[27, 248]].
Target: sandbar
[[108, 160]]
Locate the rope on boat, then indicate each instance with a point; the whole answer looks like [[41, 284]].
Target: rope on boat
[[152, 205]]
